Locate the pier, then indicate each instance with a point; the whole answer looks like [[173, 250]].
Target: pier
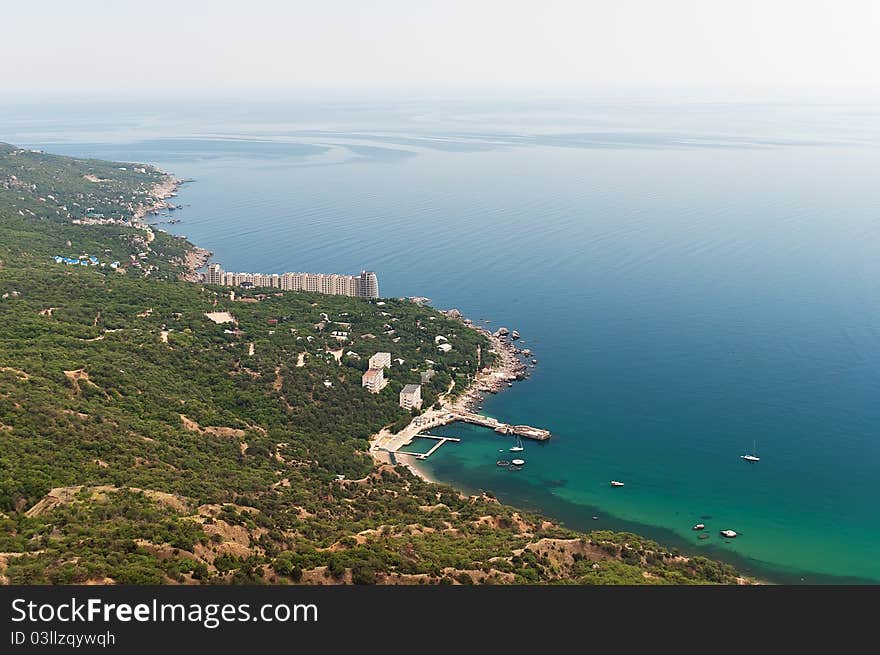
[[392, 444], [527, 431], [440, 441]]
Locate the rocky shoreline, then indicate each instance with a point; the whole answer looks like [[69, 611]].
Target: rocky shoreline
[[161, 191], [195, 259], [510, 366]]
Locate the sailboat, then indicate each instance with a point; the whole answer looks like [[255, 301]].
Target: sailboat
[[753, 457], [518, 448]]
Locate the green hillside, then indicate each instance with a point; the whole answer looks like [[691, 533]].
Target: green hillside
[[141, 442]]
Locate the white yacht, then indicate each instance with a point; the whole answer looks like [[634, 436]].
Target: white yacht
[[753, 457]]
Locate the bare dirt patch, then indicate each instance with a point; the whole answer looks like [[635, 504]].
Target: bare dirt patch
[[216, 430], [80, 376], [16, 371]]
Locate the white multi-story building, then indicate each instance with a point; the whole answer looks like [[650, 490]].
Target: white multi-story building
[[380, 360], [214, 274], [374, 380], [365, 285], [368, 286], [411, 396]]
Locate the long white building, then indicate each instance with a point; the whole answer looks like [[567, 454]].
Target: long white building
[[365, 285]]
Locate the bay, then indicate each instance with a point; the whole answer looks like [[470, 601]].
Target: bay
[[693, 279]]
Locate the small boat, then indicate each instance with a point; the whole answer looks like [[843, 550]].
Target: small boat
[[699, 526], [730, 534], [502, 462], [518, 448], [753, 457], [510, 384], [517, 462], [615, 483], [595, 518]]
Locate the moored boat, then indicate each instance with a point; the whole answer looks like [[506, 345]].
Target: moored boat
[[615, 483], [699, 526], [730, 534], [753, 456]]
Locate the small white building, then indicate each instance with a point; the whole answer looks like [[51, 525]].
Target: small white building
[[380, 360], [411, 396], [374, 380], [444, 347]]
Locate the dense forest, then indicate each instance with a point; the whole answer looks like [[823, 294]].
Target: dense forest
[[143, 442]]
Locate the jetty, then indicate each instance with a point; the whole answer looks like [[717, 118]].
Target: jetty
[[527, 431], [391, 444], [440, 441]]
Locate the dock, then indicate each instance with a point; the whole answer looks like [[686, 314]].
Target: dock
[[440, 441], [527, 431]]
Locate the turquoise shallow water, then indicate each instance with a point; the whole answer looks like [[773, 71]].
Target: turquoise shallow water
[[691, 279]]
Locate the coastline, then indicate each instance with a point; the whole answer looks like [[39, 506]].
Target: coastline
[[195, 257], [506, 369], [161, 191], [509, 365]]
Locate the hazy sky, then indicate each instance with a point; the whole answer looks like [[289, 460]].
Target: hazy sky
[[113, 46]]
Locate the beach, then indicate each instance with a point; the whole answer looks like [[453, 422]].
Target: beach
[[504, 371]]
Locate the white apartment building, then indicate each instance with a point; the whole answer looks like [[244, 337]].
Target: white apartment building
[[374, 380], [380, 360], [411, 396], [214, 274], [365, 285]]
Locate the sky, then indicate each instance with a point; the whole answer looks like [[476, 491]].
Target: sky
[[115, 48]]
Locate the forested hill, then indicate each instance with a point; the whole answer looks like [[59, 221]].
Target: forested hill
[[42, 195], [143, 442]]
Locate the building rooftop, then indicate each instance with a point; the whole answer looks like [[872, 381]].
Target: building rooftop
[[411, 388], [373, 373]]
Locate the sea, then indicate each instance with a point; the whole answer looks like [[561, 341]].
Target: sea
[[696, 278]]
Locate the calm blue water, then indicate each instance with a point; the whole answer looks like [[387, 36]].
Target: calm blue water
[[691, 277]]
